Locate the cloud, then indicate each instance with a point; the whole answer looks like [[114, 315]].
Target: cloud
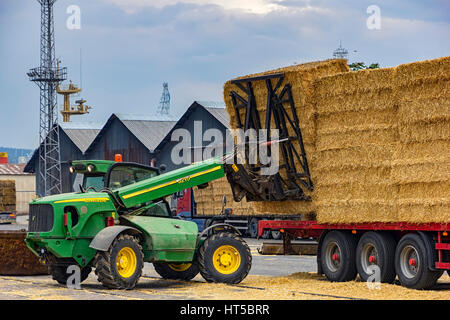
[[249, 6]]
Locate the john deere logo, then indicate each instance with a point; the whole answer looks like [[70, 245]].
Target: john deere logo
[[185, 179]]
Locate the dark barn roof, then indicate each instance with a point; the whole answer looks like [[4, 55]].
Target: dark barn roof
[[149, 130], [216, 109], [81, 134]]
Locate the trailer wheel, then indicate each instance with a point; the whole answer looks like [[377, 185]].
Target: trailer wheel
[[411, 263], [376, 249], [276, 234], [59, 273], [338, 252], [121, 266], [176, 271], [253, 228], [224, 257]]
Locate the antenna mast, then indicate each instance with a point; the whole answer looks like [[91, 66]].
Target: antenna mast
[[47, 76]]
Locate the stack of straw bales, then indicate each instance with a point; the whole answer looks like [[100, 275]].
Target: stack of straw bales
[[209, 199], [421, 162], [382, 150], [301, 78], [377, 142], [356, 138], [7, 195]]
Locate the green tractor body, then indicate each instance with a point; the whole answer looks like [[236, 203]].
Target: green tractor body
[[121, 219]]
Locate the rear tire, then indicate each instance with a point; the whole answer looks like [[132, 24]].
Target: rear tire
[[276, 234], [253, 228], [59, 273], [176, 271], [121, 266], [411, 263], [224, 257], [338, 256], [380, 248]]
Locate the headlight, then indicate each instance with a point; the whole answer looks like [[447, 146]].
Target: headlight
[[90, 168], [71, 169]]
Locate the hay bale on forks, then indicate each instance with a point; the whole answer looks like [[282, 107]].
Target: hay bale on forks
[[301, 78]]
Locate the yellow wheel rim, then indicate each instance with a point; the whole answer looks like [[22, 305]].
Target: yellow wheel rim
[[126, 262], [179, 267], [226, 259]]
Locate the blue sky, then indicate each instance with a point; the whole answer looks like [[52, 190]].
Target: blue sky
[[129, 47]]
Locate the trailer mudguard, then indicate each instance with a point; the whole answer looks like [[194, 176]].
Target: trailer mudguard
[[431, 253], [102, 240]]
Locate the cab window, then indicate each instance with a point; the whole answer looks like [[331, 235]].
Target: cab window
[[160, 209], [96, 182], [124, 175]]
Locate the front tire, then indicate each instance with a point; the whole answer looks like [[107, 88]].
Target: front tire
[[121, 266], [59, 273], [224, 257], [176, 271]]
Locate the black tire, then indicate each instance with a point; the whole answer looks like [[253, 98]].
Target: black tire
[[253, 228], [381, 248], [237, 257], [276, 234], [338, 256], [177, 271], [59, 273], [106, 264], [411, 263]]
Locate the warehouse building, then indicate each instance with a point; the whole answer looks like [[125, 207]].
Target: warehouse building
[[143, 139], [133, 136], [200, 117], [75, 138]]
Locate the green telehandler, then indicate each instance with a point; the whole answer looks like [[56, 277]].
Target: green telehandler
[[120, 219]]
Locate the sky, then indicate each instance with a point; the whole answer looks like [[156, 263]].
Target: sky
[[128, 48]]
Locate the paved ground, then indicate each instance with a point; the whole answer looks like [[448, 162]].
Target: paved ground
[[271, 277]]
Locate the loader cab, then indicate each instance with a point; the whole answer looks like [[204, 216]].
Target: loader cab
[[94, 175]]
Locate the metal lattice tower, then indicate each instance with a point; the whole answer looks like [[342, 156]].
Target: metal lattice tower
[[164, 103], [340, 53], [47, 76]]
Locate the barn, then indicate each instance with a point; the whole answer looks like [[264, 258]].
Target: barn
[[200, 117], [133, 136], [75, 138]]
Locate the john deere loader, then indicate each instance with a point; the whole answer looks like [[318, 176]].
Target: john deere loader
[[120, 219]]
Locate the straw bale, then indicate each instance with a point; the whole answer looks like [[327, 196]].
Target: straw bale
[[425, 131], [424, 210], [356, 136], [424, 109], [420, 170], [376, 99], [343, 119], [365, 156], [423, 70], [356, 211], [353, 82]]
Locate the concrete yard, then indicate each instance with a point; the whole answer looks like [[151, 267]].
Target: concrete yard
[[271, 278]]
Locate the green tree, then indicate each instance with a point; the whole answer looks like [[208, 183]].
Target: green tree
[[356, 66]]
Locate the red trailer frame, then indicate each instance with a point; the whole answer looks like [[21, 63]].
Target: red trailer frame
[[313, 229]]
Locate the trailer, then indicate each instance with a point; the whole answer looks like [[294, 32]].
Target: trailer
[[417, 253], [246, 224]]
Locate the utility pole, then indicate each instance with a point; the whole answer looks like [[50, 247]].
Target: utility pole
[[47, 76]]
